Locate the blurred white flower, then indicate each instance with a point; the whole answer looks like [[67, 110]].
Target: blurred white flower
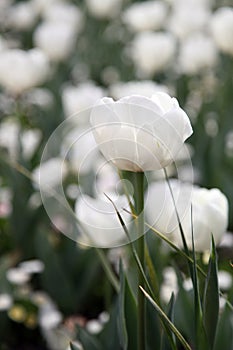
[[21, 70], [169, 285], [94, 326], [49, 316], [56, 39], [100, 225], [80, 150], [78, 98], [17, 276], [145, 88], [41, 97], [137, 133], [49, 174], [227, 241], [5, 202], [152, 52], [107, 178], [197, 53], [104, 317], [30, 140], [209, 207], [9, 136], [6, 301], [41, 6], [147, 15], [104, 9], [222, 29], [229, 143], [187, 19], [61, 12], [21, 16], [225, 280], [32, 266]]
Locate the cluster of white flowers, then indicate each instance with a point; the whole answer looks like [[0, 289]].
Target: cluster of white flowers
[[190, 27], [57, 34], [21, 70]]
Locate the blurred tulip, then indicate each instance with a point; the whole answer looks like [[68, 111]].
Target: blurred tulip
[[222, 29], [78, 98], [148, 15], [104, 8], [21, 70], [152, 52], [209, 210], [197, 53], [100, 225], [56, 39]]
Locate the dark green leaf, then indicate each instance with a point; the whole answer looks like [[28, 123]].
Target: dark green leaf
[[167, 321], [170, 313], [211, 298], [127, 320], [89, 341]]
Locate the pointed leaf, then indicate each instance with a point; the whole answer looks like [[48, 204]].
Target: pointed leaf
[[167, 321], [170, 313], [75, 346], [127, 321], [89, 341], [211, 298]]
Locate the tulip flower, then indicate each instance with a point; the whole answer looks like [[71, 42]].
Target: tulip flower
[[209, 213], [139, 134]]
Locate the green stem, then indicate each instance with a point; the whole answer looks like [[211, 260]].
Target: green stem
[[139, 208]]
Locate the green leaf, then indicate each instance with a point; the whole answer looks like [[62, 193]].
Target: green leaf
[[153, 328], [75, 346], [109, 336], [127, 320], [167, 321], [224, 334], [89, 341], [170, 313], [200, 334], [211, 298]]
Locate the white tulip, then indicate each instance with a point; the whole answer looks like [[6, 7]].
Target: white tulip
[[21, 70], [209, 210], [222, 29], [49, 174], [100, 225], [148, 15], [11, 136], [64, 12], [144, 88], [56, 39], [152, 52], [137, 133], [30, 140], [104, 9], [197, 53], [187, 19], [41, 6], [80, 149], [78, 98], [169, 284], [22, 16]]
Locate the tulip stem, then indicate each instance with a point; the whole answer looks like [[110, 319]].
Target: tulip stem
[[139, 208]]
